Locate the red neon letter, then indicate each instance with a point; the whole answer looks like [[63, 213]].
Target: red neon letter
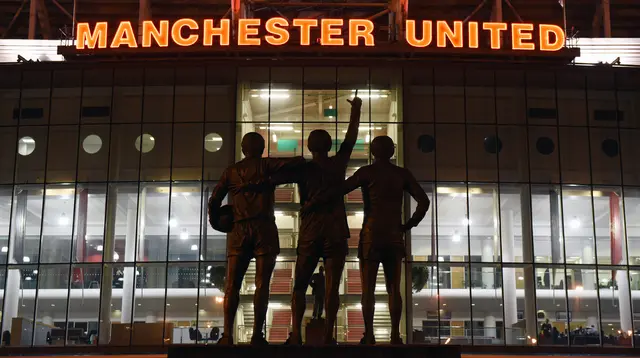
[[176, 32], [328, 30], [305, 29], [210, 32], [85, 37], [427, 34], [545, 41], [280, 36], [444, 32], [494, 30], [124, 36], [244, 31], [149, 30], [518, 36], [473, 34], [361, 28]]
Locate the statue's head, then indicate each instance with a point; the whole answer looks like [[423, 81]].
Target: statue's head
[[319, 141], [382, 147], [252, 145]]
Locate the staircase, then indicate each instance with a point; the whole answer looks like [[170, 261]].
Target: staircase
[[247, 313], [280, 323], [281, 281], [381, 324], [355, 325], [248, 287], [354, 238]]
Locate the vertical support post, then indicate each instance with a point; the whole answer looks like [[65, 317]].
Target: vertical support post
[[144, 13], [104, 328], [33, 8], [528, 257], [606, 15]]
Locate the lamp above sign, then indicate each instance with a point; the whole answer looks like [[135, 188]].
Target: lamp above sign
[[333, 32]]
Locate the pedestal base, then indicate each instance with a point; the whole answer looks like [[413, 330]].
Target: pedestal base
[[340, 351], [314, 332]]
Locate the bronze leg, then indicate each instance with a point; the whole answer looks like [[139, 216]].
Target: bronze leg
[[264, 268], [236, 268], [333, 269], [392, 275], [305, 265], [368, 275]]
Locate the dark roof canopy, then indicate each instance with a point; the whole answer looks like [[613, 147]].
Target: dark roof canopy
[[54, 17]]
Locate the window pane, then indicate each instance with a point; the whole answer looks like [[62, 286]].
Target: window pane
[[53, 288], [58, 224], [24, 246], [551, 299], [615, 304], [89, 223], [185, 223], [154, 210], [210, 302]]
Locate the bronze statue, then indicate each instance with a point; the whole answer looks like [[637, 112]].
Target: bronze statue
[[381, 239], [323, 232], [254, 232]]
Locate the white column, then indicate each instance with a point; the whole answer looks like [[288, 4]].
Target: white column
[[593, 321], [509, 276], [624, 300], [11, 297], [488, 281], [490, 327], [12, 290], [528, 256], [104, 327], [151, 317], [130, 271], [588, 277]]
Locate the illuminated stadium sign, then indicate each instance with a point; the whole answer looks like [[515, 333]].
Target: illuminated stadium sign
[[333, 32]]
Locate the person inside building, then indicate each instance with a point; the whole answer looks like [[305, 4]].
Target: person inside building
[[318, 287], [381, 239], [254, 233]]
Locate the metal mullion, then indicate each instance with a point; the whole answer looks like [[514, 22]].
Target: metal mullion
[[530, 200], [435, 206], [202, 232], [561, 202], [624, 217], [499, 190], [139, 186], [593, 212], [13, 196], [106, 200], [468, 216], [44, 199], [170, 198], [75, 202]]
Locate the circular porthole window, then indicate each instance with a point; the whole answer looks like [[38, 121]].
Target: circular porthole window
[[145, 143], [426, 143], [92, 144], [545, 145], [492, 144], [610, 147], [212, 142], [26, 146]]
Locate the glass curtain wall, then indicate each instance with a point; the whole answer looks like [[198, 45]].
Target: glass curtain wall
[[532, 237]]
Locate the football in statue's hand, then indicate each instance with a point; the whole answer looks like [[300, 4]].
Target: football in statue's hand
[[224, 220]]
